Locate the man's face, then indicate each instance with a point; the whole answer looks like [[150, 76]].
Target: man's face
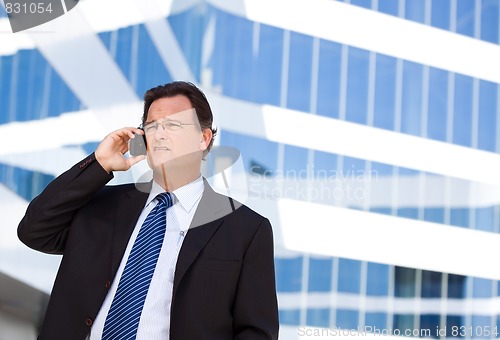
[[173, 133]]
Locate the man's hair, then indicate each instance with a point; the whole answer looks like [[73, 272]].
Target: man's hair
[[195, 96]]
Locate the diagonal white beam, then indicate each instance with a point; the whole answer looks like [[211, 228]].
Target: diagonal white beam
[[164, 39], [77, 54], [374, 31], [355, 140], [365, 236]]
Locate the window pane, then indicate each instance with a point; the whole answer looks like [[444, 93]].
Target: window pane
[[415, 10], [320, 275], [489, 20], [299, 72], [349, 276], [438, 104], [357, 85], [329, 79], [385, 92], [431, 284], [288, 274], [411, 110], [462, 118], [487, 116], [347, 319], [440, 14], [465, 17], [317, 317], [405, 282], [377, 279], [456, 286]]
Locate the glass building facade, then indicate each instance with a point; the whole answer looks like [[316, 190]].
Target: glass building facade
[[445, 115]]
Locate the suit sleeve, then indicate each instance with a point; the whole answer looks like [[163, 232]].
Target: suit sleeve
[[255, 306], [46, 222]]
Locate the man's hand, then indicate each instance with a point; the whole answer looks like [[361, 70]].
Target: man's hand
[[111, 150]]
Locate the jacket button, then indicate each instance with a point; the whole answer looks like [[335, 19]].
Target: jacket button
[[88, 322], [107, 284]]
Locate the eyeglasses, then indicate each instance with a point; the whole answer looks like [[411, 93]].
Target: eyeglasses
[[167, 125]]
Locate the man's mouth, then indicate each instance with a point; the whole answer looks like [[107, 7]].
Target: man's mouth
[[161, 148]]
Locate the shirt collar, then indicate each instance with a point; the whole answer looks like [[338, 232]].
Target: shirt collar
[[187, 196]]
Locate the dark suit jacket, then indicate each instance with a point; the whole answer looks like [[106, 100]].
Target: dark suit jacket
[[224, 286]]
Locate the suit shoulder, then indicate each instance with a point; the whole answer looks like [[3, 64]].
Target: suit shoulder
[[240, 210]]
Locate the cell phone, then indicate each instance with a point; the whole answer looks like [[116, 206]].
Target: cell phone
[[137, 145]]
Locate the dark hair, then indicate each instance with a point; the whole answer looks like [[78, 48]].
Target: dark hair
[[195, 96]]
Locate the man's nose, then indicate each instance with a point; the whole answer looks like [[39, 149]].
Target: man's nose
[[161, 133]]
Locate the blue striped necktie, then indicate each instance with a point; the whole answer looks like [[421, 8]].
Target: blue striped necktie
[[125, 311]]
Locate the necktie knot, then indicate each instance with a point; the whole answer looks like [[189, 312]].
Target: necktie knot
[[165, 198]]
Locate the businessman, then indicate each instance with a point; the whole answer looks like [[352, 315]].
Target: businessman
[[168, 259]]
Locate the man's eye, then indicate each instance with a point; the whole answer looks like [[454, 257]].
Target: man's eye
[[173, 125]]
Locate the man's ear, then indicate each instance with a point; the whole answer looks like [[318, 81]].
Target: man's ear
[[206, 137]]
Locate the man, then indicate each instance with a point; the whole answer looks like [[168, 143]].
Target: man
[[214, 275]]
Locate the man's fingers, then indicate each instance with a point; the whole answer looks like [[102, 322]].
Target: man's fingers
[[136, 159]]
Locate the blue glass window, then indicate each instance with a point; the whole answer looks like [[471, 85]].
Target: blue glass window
[[324, 161], [357, 85], [289, 316], [459, 217], [288, 274], [431, 284], [490, 20], [462, 119], [152, 72], [295, 161], [438, 104], [5, 87], [408, 213], [454, 322], [403, 323], [353, 168], [429, 323], [440, 14], [482, 288], [232, 58], [362, 3], [2, 12], [299, 72], [390, 7], [124, 50], [456, 286], [320, 275], [189, 27], [318, 317], [385, 92], [465, 17], [487, 115], [377, 279], [329, 79], [404, 282], [485, 219], [268, 66], [376, 321], [347, 319], [25, 183], [411, 110], [415, 10], [251, 150], [349, 275], [434, 215], [481, 327]]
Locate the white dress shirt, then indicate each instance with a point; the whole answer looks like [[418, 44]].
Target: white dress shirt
[[155, 318]]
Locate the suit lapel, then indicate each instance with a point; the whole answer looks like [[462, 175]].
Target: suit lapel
[[207, 219], [127, 214]]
